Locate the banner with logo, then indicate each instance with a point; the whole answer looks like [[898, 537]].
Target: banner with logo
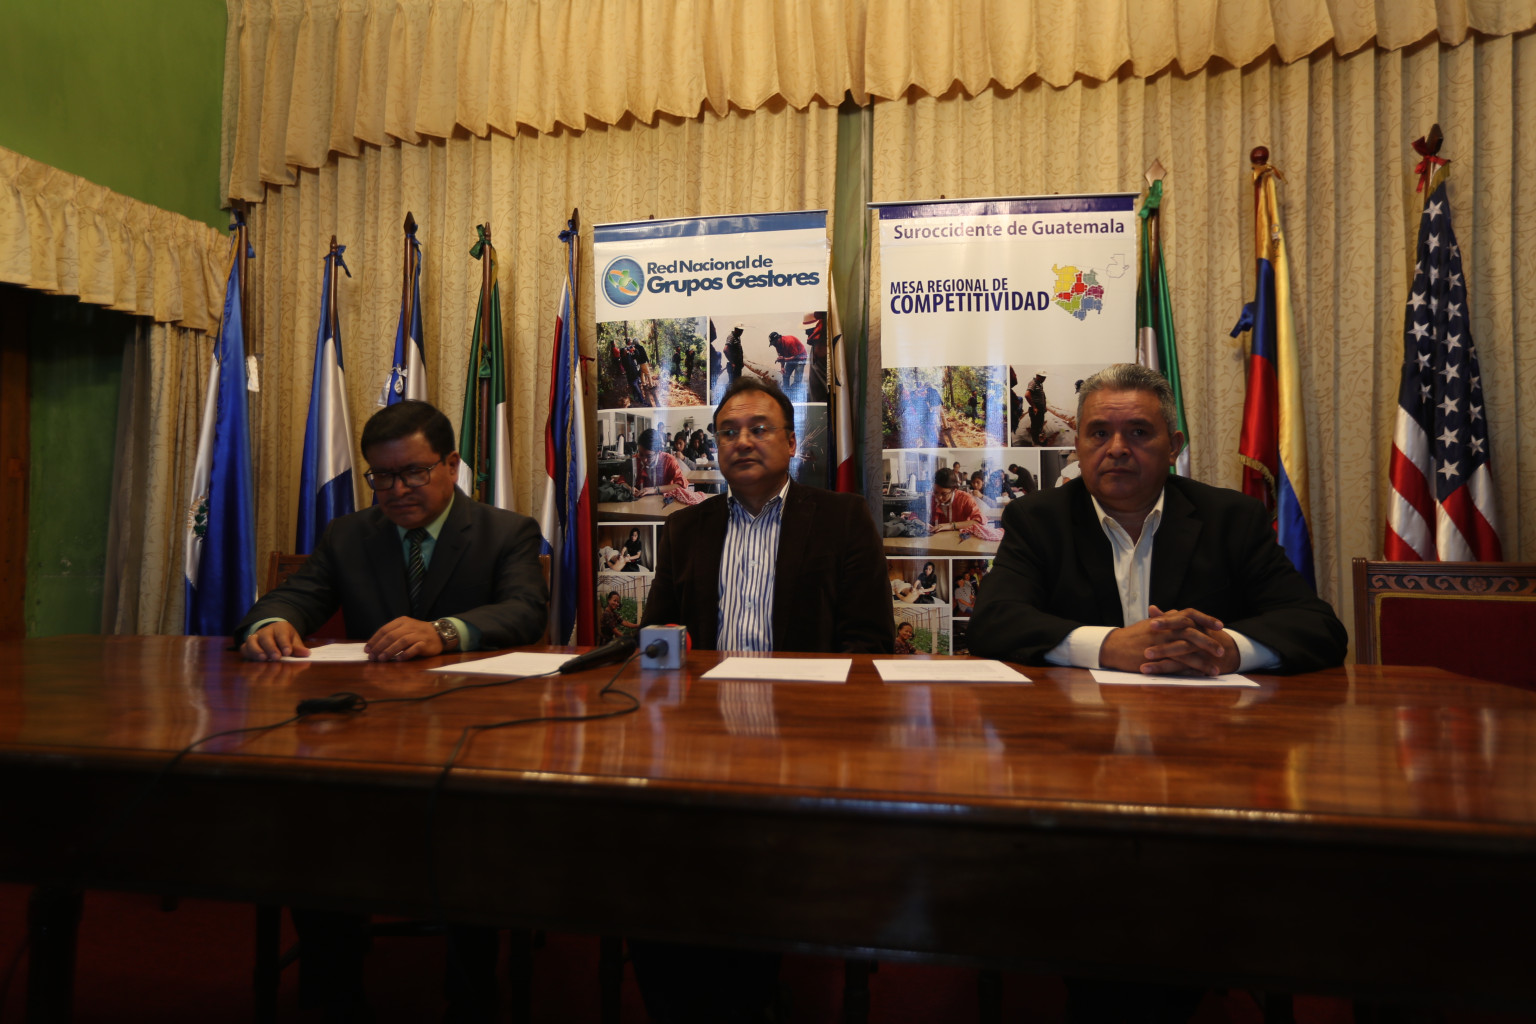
[[684, 308], [991, 313]]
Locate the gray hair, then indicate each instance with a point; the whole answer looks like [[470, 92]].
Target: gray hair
[[1131, 377]]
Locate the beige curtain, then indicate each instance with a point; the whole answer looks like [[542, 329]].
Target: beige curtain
[[165, 376], [1339, 127], [63, 235], [308, 78], [776, 158]]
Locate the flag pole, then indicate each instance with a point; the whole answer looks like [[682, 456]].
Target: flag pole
[[407, 272], [482, 381]]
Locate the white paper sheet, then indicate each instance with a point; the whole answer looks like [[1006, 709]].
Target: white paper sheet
[[947, 670], [783, 670], [1106, 676], [334, 652], [518, 663]]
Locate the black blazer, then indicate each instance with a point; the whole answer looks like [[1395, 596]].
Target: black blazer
[[830, 594], [1214, 550], [484, 570]]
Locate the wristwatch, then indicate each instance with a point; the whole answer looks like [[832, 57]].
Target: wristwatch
[[448, 634]]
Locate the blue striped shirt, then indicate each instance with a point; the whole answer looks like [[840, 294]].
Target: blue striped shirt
[[747, 569]]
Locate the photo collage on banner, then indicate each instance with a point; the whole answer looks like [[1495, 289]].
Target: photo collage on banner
[[685, 308], [992, 313]]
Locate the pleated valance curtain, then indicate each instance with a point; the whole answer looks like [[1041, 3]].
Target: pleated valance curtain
[[308, 78], [64, 235]]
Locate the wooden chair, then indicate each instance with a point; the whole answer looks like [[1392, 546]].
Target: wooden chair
[[1461, 616]]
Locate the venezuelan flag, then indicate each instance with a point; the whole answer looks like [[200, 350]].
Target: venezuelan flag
[[1273, 448]]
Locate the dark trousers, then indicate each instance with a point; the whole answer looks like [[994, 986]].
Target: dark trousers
[[332, 945], [688, 984], [1093, 1001]]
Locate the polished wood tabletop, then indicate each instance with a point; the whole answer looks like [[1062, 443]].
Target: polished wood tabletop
[[1335, 831]]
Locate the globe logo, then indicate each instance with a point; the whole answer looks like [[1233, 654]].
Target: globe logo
[[623, 281]]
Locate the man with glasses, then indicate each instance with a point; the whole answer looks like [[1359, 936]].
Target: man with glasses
[[427, 570], [768, 566]]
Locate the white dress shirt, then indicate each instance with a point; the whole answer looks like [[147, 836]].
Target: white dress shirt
[[1133, 578]]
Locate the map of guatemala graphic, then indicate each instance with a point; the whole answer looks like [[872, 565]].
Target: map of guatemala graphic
[[1078, 291]]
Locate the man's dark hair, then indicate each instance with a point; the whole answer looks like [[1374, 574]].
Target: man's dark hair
[[744, 384], [401, 420], [945, 477]]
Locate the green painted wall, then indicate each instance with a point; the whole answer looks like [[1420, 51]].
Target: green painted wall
[[124, 93], [74, 368]]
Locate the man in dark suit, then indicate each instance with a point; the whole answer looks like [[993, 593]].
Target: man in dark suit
[[427, 570], [479, 584], [824, 587], [1133, 569], [769, 566]]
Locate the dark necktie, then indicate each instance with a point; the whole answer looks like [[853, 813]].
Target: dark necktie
[[416, 570]]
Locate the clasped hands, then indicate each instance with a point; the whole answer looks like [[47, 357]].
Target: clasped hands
[[397, 640], [1183, 642]]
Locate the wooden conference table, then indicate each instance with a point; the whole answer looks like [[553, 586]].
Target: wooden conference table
[[1364, 830]]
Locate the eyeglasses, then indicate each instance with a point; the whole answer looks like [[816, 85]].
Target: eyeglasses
[[757, 431], [411, 476]]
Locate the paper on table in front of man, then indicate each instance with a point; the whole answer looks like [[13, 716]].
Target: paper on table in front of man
[[783, 670], [1105, 676], [947, 670], [518, 663], [334, 652]]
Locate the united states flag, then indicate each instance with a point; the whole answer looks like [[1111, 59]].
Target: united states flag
[[1442, 503]]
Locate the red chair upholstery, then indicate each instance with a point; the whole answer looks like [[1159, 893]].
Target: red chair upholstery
[[279, 567], [1467, 617]]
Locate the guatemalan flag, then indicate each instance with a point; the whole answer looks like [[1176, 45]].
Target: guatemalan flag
[[408, 373], [325, 481], [1273, 449], [567, 515], [220, 553]]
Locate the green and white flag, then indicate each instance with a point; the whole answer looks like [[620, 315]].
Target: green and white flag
[[1155, 345], [485, 449]]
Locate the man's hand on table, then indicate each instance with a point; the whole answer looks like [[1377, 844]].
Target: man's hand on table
[[1182, 642], [402, 639], [273, 642]]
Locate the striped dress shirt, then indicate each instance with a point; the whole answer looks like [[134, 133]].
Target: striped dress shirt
[[748, 566]]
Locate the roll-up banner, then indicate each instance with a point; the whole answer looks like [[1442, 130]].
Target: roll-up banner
[[684, 308], [992, 312]]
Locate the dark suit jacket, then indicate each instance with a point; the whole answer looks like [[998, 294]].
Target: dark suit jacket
[[830, 595], [1214, 551], [484, 570]]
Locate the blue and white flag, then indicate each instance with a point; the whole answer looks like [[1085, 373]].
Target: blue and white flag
[[325, 481], [408, 374], [220, 560]]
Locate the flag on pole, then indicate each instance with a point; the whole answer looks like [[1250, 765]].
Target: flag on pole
[[408, 373], [1442, 505], [220, 551], [844, 454], [1273, 449], [325, 479], [567, 514], [1155, 345], [485, 450]]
